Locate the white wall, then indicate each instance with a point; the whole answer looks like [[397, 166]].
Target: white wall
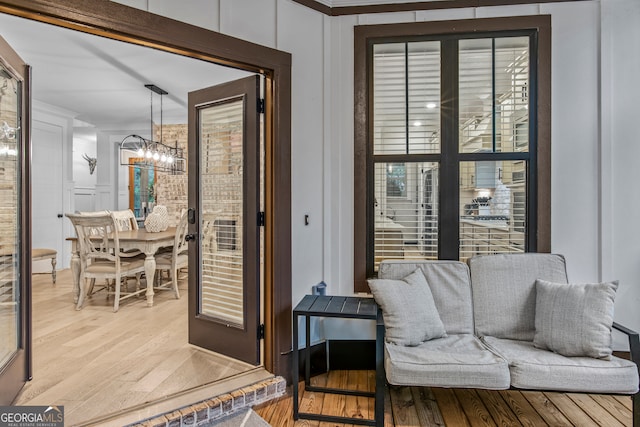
[[594, 61], [597, 240], [84, 143], [619, 151], [55, 125]]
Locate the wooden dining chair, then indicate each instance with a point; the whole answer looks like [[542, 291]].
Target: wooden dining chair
[[101, 257], [125, 220], [176, 259]]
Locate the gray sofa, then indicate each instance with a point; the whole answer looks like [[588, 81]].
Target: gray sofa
[[506, 321]]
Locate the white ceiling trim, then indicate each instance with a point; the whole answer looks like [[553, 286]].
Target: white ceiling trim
[[344, 3]]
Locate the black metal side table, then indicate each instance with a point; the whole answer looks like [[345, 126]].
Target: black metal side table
[[347, 308]]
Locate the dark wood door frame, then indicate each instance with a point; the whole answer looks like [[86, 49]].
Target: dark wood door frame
[[18, 369], [119, 22]]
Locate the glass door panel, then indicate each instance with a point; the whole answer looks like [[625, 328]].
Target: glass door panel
[[14, 242], [142, 180], [9, 249], [222, 217]]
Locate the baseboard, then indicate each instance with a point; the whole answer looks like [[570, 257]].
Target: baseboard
[[343, 354], [352, 354], [318, 358]]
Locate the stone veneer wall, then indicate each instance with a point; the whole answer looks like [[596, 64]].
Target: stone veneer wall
[[171, 190], [8, 215]]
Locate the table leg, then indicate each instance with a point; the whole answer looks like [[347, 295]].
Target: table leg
[[150, 271], [75, 275]]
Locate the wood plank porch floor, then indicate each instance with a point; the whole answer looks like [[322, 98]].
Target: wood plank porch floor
[[421, 406]]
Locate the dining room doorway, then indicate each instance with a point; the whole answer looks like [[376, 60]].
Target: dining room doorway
[[276, 69]]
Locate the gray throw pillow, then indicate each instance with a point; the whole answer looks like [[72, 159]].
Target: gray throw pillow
[[575, 319], [410, 314]]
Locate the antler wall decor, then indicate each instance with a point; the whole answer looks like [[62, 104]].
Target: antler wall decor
[[92, 162]]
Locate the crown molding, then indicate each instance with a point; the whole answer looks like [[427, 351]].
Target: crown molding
[[328, 6]]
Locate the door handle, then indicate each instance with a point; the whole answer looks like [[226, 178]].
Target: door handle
[[190, 237], [191, 216]]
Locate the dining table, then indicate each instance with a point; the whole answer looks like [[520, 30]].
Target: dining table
[[145, 241]]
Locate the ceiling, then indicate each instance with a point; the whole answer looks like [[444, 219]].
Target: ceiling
[[101, 81]]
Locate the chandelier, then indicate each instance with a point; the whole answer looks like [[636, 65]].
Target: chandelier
[[152, 154]]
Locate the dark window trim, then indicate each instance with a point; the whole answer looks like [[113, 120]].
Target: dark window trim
[[413, 6], [119, 22], [364, 35]]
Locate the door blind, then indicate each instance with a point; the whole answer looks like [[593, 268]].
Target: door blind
[[222, 212]]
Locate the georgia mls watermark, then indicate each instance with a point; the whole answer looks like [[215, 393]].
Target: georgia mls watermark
[[31, 416]]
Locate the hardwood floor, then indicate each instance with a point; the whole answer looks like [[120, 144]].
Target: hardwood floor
[[96, 362], [421, 406]]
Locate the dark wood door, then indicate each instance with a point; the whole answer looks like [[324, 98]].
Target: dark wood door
[[224, 200], [15, 238]]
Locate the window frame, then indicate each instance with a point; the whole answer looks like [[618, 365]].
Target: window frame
[[539, 177]]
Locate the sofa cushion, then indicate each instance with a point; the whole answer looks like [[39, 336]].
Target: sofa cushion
[[537, 369], [450, 285], [575, 320], [504, 298], [454, 361], [410, 315]]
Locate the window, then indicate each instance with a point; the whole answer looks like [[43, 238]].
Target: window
[[451, 138]]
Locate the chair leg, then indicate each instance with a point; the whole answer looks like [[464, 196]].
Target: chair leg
[[116, 302], [138, 284], [92, 283], [83, 292], [174, 280]]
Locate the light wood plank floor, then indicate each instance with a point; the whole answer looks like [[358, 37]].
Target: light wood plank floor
[[421, 406], [97, 362]]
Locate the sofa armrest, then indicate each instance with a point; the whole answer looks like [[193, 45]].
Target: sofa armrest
[[634, 349], [634, 342]]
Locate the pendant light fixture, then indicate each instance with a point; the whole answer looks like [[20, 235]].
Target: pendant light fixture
[[156, 154]]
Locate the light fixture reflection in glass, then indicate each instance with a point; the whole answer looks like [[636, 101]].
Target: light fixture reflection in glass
[[6, 151], [7, 132], [431, 105], [417, 123]]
